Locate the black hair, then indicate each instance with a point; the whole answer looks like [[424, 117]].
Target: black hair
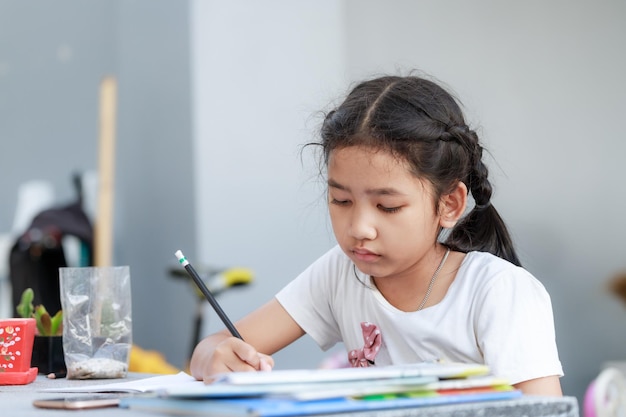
[[419, 121]]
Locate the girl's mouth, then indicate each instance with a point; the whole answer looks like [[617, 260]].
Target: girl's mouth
[[365, 255]]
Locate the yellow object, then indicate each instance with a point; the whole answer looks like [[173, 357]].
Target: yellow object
[[149, 361], [238, 276], [226, 279], [103, 227]]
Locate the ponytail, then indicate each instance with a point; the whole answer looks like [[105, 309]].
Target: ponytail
[[482, 229]]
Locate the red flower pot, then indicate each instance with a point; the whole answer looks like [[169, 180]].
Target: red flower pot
[[16, 348]]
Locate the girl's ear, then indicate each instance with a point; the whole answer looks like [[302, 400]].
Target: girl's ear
[[452, 206]]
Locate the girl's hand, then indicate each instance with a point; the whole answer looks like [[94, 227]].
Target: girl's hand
[[231, 355], [269, 329]]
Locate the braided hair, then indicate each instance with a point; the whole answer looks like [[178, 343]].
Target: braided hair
[[417, 120]]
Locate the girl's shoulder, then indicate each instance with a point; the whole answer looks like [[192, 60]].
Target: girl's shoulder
[[331, 276], [334, 258], [329, 266], [488, 263], [483, 270]]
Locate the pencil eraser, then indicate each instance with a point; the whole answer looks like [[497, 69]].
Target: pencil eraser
[[181, 258]]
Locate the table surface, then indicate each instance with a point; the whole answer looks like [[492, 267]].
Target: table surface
[[16, 400]]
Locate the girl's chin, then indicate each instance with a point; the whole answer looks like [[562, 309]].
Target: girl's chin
[[370, 270]]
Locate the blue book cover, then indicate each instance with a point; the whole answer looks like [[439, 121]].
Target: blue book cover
[[280, 407]]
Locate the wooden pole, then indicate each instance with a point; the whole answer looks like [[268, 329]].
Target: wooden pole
[[103, 228]]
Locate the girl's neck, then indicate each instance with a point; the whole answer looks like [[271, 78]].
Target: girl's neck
[[407, 290]]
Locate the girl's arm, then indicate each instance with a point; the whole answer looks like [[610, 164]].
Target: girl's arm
[[265, 331], [549, 385]]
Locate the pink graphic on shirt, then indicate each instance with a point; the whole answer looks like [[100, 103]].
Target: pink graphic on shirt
[[362, 358]]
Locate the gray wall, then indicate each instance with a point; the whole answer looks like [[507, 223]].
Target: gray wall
[[52, 58], [542, 82]]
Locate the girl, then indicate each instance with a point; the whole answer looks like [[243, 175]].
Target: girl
[[401, 162]]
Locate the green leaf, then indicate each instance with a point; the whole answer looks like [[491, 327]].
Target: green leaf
[[56, 328], [44, 323], [25, 307]]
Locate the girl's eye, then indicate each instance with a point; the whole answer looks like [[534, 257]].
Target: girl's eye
[[339, 202], [389, 209]]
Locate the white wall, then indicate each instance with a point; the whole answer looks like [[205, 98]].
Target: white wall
[[261, 70], [543, 82]]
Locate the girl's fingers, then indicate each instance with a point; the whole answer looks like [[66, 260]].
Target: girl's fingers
[[266, 363], [252, 360], [234, 355]]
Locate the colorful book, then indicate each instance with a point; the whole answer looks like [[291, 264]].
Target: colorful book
[[324, 390], [278, 407], [315, 384], [305, 384], [299, 391]]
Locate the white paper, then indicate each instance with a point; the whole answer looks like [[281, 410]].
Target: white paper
[[155, 383], [291, 376]]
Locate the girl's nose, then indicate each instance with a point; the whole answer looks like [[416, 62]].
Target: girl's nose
[[362, 226]]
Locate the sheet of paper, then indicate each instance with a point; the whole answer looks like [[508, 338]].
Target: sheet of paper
[[291, 376], [155, 383]]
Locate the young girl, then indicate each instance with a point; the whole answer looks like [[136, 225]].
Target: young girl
[[401, 162]]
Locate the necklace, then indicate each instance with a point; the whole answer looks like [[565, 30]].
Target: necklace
[[432, 280]]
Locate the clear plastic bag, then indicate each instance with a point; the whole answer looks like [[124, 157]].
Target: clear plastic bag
[[97, 321]]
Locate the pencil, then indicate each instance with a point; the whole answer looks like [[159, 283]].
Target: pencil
[[207, 294]]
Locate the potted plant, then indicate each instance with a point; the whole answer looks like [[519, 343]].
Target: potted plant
[[48, 353]]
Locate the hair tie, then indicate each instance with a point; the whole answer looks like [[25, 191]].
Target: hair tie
[[482, 206]]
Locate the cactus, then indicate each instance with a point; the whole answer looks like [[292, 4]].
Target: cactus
[[25, 307], [46, 325]]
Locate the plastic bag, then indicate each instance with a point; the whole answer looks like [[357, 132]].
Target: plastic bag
[[97, 323]]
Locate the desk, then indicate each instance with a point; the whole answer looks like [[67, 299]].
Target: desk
[[17, 401]]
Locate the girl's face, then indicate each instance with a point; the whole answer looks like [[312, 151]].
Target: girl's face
[[383, 217]]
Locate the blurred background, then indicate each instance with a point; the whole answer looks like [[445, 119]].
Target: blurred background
[[215, 100]]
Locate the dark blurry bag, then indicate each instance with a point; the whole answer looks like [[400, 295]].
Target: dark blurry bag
[[37, 254]]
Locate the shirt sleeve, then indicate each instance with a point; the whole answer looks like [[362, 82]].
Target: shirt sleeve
[[309, 300], [515, 328]]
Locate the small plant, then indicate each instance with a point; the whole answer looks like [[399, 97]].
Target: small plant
[[46, 325]]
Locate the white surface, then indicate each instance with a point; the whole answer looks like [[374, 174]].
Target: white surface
[[33, 197], [261, 72]]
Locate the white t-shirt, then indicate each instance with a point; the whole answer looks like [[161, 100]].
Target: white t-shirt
[[493, 313]]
